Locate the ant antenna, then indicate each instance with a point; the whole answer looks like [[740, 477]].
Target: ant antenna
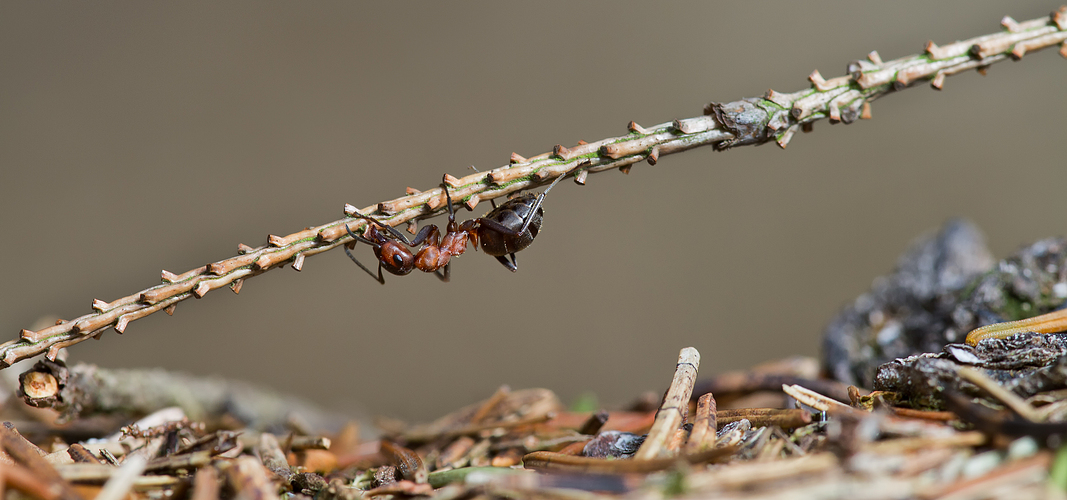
[[357, 237], [537, 204], [550, 186]]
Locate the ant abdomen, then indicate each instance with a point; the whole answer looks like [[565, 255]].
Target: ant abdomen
[[512, 215]]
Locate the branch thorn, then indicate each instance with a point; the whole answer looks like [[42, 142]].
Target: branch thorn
[[235, 286], [201, 289], [580, 178], [653, 156], [816, 78], [411, 191], [170, 309], [517, 158], [451, 181], [298, 262], [243, 249], [435, 201], [100, 305], [784, 138], [388, 207], [167, 276], [873, 57], [933, 50], [1010, 24], [634, 127], [938, 81], [866, 113], [560, 151]]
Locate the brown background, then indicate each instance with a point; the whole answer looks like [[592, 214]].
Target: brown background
[[144, 136]]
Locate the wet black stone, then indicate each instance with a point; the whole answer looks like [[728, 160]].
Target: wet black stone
[[944, 286]]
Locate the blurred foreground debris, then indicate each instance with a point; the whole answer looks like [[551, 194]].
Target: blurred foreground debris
[[84, 390], [526, 444]]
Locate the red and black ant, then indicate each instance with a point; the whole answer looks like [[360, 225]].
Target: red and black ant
[[505, 230]]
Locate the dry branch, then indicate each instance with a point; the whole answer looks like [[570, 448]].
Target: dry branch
[[773, 117]]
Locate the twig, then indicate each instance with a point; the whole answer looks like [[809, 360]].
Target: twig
[[270, 453], [773, 117], [761, 417], [1010, 399], [547, 460], [249, 479], [702, 436], [25, 453], [205, 484], [408, 463], [672, 413], [123, 480], [84, 390], [25, 480]]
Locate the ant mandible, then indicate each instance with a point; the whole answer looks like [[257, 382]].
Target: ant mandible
[[505, 230]]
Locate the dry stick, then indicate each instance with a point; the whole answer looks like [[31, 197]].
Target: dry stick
[[672, 412], [773, 117], [25, 480], [83, 390], [764, 417], [270, 453], [79, 454], [205, 484], [26, 453], [547, 460], [123, 480], [704, 425], [249, 479], [408, 463], [1010, 399]]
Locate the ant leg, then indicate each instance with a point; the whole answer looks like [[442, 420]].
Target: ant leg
[[451, 211], [491, 202], [419, 238], [510, 265], [447, 276], [500, 228], [380, 278], [537, 204]]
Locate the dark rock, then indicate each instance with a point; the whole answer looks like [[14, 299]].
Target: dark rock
[[944, 286], [1025, 364], [615, 444], [910, 310]]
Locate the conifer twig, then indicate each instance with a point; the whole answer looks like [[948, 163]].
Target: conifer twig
[[773, 117]]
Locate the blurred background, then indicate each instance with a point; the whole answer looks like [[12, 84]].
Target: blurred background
[[137, 136]]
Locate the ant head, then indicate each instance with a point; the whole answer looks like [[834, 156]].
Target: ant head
[[395, 258]]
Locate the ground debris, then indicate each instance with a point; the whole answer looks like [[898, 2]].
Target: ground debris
[[526, 444]]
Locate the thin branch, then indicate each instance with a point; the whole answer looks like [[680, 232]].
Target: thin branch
[[773, 117]]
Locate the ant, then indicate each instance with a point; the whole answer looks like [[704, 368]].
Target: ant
[[505, 230]]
